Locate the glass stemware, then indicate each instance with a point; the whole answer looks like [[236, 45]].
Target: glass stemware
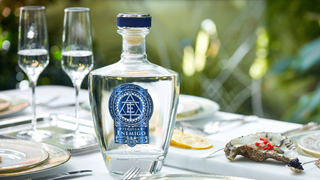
[[77, 61], [33, 57]]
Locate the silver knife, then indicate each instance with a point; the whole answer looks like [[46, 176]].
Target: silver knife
[[307, 127], [62, 175]]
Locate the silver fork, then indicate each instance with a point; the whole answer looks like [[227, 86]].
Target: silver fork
[[131, 173], [213, 127], [44, 103]]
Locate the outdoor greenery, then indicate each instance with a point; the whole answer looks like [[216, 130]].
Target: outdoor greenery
[[252, 57]]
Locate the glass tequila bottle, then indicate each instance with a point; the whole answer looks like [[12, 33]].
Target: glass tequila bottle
[[134, 103]]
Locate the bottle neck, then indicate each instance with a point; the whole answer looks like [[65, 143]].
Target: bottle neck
[[133, 43]]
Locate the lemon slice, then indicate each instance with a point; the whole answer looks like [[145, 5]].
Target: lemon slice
[[175, 141], [195, 141], [176, 137]]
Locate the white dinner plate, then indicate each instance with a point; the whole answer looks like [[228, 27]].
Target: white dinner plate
[[17, 156], [201, 107], [189, 108], [10, 104]]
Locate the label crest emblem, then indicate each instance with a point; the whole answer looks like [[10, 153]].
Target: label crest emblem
[[131, 108]]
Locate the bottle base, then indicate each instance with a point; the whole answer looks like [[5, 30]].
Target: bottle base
[[120, 165]]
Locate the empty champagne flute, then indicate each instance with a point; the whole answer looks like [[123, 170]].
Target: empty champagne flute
[[33, 57], [77, 61]]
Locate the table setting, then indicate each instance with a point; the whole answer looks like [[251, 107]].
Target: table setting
[[178, 161], [132, 122]]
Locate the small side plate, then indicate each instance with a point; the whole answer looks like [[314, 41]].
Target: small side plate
[[11, 158], [207, 108], [57, 156], [17, 156], [310, 144]]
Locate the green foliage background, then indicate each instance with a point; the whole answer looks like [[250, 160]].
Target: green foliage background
[[290, 88]]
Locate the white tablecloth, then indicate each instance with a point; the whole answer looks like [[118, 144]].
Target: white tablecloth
[[178, 161]]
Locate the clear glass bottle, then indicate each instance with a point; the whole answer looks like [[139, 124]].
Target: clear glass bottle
[[134, 103]]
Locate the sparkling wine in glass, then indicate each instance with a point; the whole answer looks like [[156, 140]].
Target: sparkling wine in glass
[[77, 61], [33, 57]]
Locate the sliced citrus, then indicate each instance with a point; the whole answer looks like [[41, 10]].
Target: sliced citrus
[[175, 141], [176, 137], [195, 141]]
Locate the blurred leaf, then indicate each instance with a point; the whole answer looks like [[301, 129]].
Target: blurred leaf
[[309, 55], [307, 104], [282, 65]]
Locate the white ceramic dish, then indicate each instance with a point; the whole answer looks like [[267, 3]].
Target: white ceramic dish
[[17, 156], [310, 144], [207, 107], [57, 157]]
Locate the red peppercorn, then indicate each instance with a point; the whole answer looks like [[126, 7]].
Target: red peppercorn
[[264, 141]]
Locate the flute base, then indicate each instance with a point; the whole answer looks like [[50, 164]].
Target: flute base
[[34, 135], [77, 140]]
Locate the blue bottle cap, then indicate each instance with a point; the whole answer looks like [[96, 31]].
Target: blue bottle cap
[[134, 20]]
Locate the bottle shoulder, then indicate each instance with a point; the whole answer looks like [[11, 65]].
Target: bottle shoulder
[[133, 69]]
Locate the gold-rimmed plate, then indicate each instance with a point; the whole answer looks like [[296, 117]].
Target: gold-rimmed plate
[[11, 104], [310, 144], [20, 156], [57, 157]]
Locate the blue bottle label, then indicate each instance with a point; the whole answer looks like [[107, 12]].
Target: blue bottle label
[[131, 108]]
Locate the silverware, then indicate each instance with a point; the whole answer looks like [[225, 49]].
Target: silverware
[[206, 155], [58, 106], [212, 127], [81, 150], [187, 125], [44, 103], [47, 103], [131, 173], [2, 136], [307, 127], [62, 175]]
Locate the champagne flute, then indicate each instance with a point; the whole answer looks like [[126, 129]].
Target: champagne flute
[[77, 61], [33, 57]]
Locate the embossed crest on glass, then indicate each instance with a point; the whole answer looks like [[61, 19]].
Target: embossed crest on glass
[[33, 58], [134, 103]]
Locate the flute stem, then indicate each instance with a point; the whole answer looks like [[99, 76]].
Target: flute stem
[[33, 105], [77, 131]]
